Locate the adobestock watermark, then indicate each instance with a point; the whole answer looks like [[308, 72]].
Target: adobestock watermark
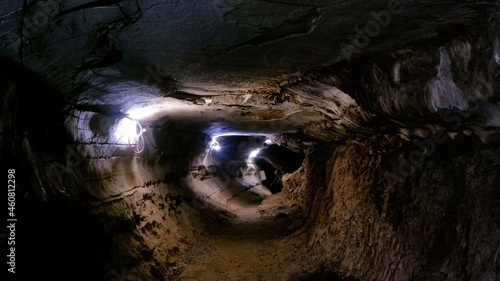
[[102, 128], [224, 7], [158, 77], [426, 147], [37, 21], [379, 20], [154, 75], [72, 160]]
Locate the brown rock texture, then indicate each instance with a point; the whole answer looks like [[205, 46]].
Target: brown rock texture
[[438, 222]]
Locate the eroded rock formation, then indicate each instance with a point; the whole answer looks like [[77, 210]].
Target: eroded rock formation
[[284, 140]]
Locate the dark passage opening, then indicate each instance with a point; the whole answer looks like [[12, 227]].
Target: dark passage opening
[[276, 161]]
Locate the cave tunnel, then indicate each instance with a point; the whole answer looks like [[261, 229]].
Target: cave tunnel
[[250, 140]]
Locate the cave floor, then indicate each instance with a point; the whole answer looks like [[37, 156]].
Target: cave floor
[[258, 244]]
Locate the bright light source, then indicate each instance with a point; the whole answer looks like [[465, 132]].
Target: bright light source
[[214, 144], [141, 112], [254, 153], [268, 142], [131, 132], [125, 129]]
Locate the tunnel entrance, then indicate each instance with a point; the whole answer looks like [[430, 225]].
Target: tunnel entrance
[[255, 160], [276, 161], [240, 171]]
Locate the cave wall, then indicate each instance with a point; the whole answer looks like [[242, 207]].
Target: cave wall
[[100, 211], [437, 222], [407, 91], [380, 205], [417, 198]]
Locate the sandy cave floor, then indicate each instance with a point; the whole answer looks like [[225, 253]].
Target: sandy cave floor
[[260, 243]]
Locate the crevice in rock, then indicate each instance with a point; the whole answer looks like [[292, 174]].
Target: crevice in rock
[[95, 4]]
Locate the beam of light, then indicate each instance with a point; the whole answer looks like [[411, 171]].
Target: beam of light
[[141, 112], [268, 142], [254, 153]]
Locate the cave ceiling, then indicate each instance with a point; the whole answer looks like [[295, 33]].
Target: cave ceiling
[[324, 68]]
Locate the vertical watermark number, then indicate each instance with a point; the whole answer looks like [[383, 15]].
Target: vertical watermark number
[[11, 220]]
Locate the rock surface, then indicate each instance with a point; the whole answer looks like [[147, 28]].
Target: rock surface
[[395, 105]]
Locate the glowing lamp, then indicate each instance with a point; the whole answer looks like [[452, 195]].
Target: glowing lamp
[[126, 129], [132, 132], [214, 145]]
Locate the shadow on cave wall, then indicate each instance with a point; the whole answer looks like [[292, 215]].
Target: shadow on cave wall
[[57, 236]]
